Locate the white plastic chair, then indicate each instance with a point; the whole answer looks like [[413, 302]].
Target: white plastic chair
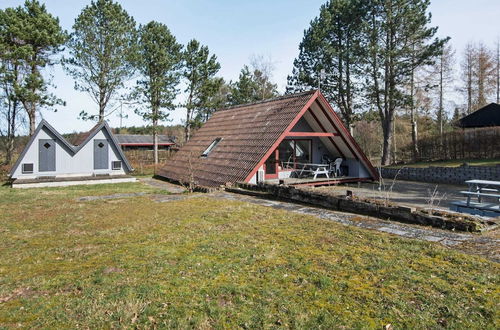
[[335, 167]]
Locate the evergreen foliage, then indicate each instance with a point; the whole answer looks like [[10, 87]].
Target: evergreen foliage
[[30, 37], [159, 63], [103, 49], [199, 72]]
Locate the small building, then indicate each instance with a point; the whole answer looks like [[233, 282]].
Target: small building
[[144, 142], [270, 141], [50, 160], [487, 116]]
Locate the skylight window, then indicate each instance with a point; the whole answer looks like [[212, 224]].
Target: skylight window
[[211, 147]]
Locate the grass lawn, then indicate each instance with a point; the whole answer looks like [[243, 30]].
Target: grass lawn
[[206, 263], [452, 163]]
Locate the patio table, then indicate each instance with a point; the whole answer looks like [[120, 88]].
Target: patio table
[[479, 187], [315, 169]]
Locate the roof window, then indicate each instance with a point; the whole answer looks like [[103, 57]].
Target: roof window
[[211, 147]]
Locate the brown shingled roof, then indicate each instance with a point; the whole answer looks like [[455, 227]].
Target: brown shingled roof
[[247, 132]]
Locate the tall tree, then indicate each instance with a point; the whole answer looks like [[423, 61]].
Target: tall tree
[[34, 37], [497, 70], [253, 84], [199, 72], [443, 70], [484, 75], [245, 89], [217, 97], [333, 44], [9, 102], [102, 48], [262, 74], [467, 75], [159, 63], [395, 28]]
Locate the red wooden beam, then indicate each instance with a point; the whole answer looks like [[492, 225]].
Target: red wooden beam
[[324, 130], [320, 134]]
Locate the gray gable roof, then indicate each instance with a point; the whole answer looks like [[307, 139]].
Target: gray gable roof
[[71, 148]]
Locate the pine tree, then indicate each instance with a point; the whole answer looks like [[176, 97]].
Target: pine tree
[[199, 72], [102, 48], [333, 44], [159, 63], [34, 37], [394, 30]]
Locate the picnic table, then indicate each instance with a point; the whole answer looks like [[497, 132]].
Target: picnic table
[[482, 188], [310, 168]]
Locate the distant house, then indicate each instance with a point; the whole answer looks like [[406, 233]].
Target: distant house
[[50, 160], [136, 141], [277, 139], [487, 116]]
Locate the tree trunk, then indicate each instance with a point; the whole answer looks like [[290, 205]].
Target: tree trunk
[[32, 119], [155, 141], [386, 149], [187, 127], [441, 106], [102, 105]]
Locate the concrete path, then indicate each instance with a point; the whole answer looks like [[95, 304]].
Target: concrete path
[[487, 245]]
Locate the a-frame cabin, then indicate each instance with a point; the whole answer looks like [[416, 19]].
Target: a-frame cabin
[[289, 138]]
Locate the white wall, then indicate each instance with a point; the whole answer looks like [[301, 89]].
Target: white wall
[[67, 164]]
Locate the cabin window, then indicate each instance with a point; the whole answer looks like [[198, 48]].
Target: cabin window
[[295, 151], [116, 165], [27, 168], [211, 147]]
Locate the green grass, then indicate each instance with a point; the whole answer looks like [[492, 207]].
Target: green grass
[[452, 163], [205, 263]]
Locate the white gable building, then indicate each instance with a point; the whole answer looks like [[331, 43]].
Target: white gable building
[[50, 160]]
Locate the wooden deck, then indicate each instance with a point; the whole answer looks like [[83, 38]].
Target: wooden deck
[[318, 181]]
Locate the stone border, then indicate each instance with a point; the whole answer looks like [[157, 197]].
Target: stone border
[[442, 219], [437, 174]]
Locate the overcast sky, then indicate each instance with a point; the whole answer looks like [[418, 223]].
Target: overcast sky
[[236, 30]]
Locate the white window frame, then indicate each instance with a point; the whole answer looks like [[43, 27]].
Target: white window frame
[[113, 167], [211, 147], [27, 172]]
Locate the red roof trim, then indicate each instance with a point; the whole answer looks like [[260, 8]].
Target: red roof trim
[[283, 135], [324, 129], [351, 139]]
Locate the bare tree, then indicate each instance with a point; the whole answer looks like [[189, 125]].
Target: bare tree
[[497, 73], [467, 67], [443, 71], [263, 68], [484, 74]]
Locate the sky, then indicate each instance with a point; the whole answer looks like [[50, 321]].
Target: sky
[[236, 30]]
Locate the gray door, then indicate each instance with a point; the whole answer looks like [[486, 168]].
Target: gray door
[[46, 155], [101, 155]]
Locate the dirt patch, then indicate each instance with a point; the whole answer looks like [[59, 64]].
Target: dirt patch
[[110, 270], [21, 293]]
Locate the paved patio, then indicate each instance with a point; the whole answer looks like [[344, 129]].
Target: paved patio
[[407, 193]]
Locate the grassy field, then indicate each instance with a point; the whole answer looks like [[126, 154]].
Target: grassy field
[[452, 163], [206, 263]]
